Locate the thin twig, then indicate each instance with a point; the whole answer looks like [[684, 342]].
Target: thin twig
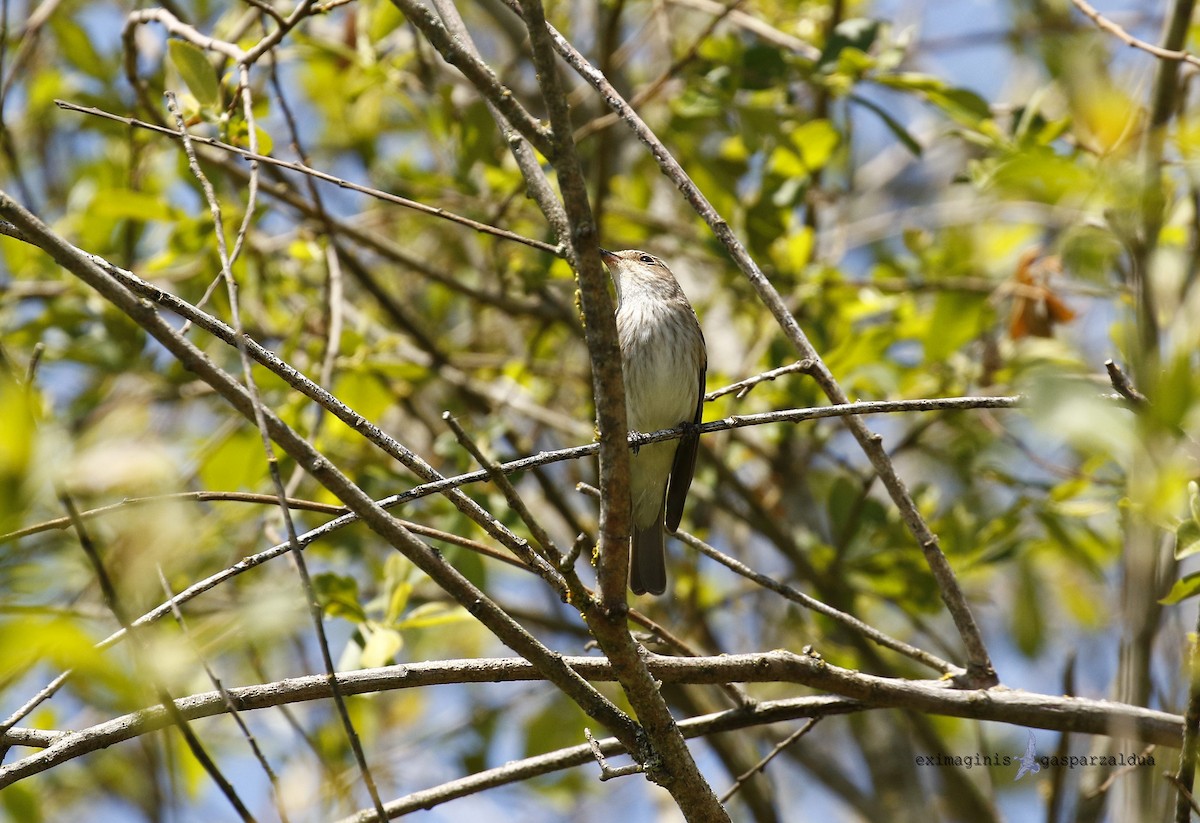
[[870, 632], [303, 168], [1124, 386], [228, 698], [743, 387], [1186, 798], [550, 554], [1105, 24], [768, 757], [113, 602], [35, 360], [248, 216], [59, 523], [334, 314], [608, 772], [258, 414], [756, 26]]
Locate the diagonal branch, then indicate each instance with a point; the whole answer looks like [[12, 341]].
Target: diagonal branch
[[537, 185], [227, 258], [303, 168], [478, 73], [323, 471], [1105, 24], [169, 707]]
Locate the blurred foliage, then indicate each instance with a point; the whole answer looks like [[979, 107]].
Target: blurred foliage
[[936, 231]]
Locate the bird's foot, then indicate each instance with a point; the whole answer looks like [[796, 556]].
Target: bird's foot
[[634, 435]]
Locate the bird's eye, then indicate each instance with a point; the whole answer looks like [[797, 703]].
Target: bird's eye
[[645, 258]]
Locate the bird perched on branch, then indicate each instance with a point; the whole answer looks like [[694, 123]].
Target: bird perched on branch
[[664, 362]]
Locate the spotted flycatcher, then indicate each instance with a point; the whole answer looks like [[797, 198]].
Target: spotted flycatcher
[[664, 361]]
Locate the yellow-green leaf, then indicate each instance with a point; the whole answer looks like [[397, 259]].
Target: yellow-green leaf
[[1187, 539], [1185, 587], [201, 78]]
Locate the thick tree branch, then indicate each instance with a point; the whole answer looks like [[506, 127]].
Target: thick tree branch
[[1013, 706], [478, 73], [666, 759]]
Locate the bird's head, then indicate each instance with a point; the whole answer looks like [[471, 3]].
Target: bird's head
[[635, 272]]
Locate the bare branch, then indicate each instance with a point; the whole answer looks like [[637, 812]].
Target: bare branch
[[479, 73], [866, 630], [1124, 386], [258, 414], [768, 757], [1104, 24], [743, 387], [170, 710], [752, 24], [1014, 706], [254, 157], [608, 772]]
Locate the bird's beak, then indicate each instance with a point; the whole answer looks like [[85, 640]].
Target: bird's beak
[[606, 255]]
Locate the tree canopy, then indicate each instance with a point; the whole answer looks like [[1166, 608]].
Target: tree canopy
[[313, 449]]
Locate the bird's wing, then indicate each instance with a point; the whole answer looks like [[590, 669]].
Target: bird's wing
[[685, 463]]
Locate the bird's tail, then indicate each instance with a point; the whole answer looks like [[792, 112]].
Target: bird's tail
[[647, 559]]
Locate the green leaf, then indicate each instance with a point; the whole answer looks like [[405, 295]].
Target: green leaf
[[962, 105], [815, 140], [1028, 618], [434, 614], [127, 204], [764, 67], [201, 78], [338, 596], [75, 45], [844, 498], [955, 322], [1187, 539], [1185, 587], [1042, 176], [381, 647], [1090, 253], [856, 33], [892, 123], [23, 803]]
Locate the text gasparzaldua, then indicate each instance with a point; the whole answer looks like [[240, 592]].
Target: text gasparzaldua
[[968, 761]]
